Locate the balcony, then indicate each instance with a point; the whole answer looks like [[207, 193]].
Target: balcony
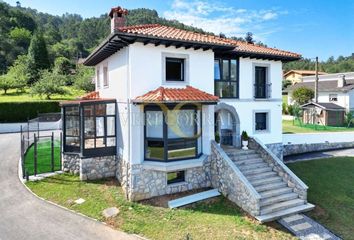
[[262, 91]]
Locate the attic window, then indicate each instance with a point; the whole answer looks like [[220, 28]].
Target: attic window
[[175, 69]]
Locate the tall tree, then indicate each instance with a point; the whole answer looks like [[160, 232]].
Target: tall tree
[[249, 37]]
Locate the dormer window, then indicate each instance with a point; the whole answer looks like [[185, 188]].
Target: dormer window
[[175, 69]]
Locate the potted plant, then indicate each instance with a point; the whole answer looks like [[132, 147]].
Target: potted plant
[[244, 138]]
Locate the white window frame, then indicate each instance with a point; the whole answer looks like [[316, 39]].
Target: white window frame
[[186, 68], [98, 79], [105, 76], [268, 120]]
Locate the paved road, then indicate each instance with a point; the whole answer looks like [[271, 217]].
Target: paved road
[[24, 216], [319, 155]]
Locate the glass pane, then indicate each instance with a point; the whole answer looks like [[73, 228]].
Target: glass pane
[[72, 141], [154, 120], [100, 109], [72, 110], [111, 128], [100, 126], [199, 131], [89, 110], [90, 143], [261, 121], [181, 123], [89, 127], [100, 143], [111, 109], [174, 69], [225, 70], [233, 76], [181, 149], [111, 142], [174, 177], [154, 149], [72, 126], [226, 89], [217, 69]]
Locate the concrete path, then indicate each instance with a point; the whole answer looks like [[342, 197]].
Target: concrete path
[[318, 155], [305, 228], [24, 216]]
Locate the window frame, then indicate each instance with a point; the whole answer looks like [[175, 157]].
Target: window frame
[[178, 179], [229, 81], [267, 119], [68, 148], [98, 80], [182, 61], [105, 77], [267, 84], [165, 139]]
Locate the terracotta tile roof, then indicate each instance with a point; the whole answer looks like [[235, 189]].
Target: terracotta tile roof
[[312, 72], [90, 96], [157, 30], [165, 95]]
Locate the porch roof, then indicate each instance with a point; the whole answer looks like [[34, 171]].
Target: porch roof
[[177, 95], [91, 97]]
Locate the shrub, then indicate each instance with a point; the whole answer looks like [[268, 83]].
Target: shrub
[[285, 108], [348, 118], [22, 111], [291, 110], [244, 136], [303, 95]]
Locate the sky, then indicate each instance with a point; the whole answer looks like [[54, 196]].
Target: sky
[[312, 28]]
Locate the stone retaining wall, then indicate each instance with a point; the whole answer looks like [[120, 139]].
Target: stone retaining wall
[[231, 182], [291, 149], [276, 149]]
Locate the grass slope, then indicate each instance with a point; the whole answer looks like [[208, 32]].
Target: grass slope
[[331, 189], [215, 219], [290, 127]]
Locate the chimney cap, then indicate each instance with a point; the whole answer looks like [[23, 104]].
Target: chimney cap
[[118, 10]]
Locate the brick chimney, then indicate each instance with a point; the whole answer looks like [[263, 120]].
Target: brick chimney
[[117, 16], [341, 81]]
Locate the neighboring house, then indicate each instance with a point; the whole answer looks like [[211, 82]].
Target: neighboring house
[[296, 76], [328, 114], [162, 94], [337, 88]]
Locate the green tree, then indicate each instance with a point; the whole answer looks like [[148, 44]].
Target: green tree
[[21, 37], [285, 84], [62, 66], [18, 73], [83, 78], [6, 83], [249, 37], [38, 54], [50, 83], [302, 95]]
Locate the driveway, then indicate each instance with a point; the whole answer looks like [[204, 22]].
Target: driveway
[[24, 216]]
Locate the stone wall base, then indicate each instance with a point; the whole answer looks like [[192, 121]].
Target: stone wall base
[[276, 149], [292, 149]]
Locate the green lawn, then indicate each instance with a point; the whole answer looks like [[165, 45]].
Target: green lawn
[[43, 159], [15, 96], [215, 219], [331, 189], [285, 99], [290, 127]]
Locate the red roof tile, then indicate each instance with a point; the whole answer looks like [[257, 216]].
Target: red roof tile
[[188, 94], [161, 31], [90, 96]]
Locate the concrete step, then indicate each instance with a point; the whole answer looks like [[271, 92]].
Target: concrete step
[[193, 198], [262, 176], [239, 152], [276, 192], [286, 212], [270, 186], [252, 166], [248, 161], [279, 198], [258, 182], [281, 206], [243, 157], [256, 171]]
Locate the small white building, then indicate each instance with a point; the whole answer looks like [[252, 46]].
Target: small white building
[[162, 95]]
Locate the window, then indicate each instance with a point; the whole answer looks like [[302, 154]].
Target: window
[[333, 97], [261, 121], [226, 78], [260, 86], [105, 76], [172, 134], [174, 69], [175, 177], [98, 78], [72, 128]]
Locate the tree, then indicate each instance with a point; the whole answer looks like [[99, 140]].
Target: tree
[[6, 83], [62, 66], [38, 54], [21, 37], [83, 78], [303, 95], [49, 83], [249, 37], [18, 73], [285, 84]]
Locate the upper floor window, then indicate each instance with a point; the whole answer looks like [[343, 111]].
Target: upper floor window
[[333, 97], [174, 69], [98, 78], [261, 85], [226, 78], [105, 76]]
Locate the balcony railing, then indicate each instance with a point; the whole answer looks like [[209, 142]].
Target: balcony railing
[[262, 91]]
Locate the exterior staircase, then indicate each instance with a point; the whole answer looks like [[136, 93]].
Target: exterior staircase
[[277, 198]]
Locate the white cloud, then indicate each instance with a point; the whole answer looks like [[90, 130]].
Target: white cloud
[[216, 17]]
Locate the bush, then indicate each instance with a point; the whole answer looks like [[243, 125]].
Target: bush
[[22, 111], [244, 136], [302, 95], [349, 118], [291, 110], [285, 108]]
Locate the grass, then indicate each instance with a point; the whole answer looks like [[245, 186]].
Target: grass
[[285, 98], [331, 189], [290, 127], [16, 96], [218, 218], [43, 159]]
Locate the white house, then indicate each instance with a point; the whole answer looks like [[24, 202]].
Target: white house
[[174, 90]]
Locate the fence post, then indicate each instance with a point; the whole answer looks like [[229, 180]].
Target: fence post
[[28, 128], [61, 148], [23, 155], [35, 154], [52, 152]]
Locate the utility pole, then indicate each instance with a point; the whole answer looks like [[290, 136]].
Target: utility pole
[[316, 81]]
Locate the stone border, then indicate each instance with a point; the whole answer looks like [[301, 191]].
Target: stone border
[[293, 149]]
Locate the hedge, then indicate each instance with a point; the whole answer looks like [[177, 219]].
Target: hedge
[[22, 111]]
